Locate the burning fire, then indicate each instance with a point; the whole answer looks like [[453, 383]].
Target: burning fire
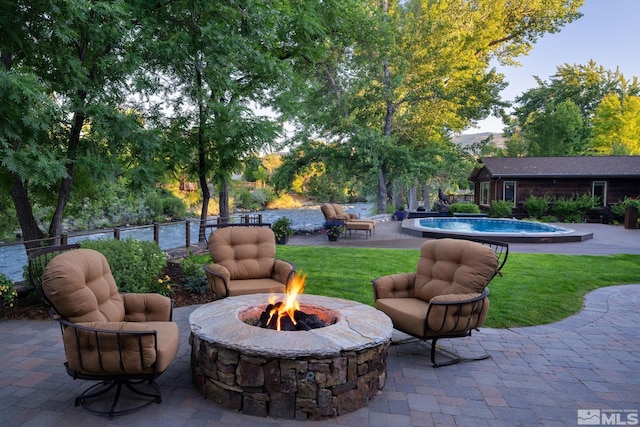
[[290, 304]]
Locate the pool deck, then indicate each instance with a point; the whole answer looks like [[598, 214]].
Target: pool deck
[[606, 240], [537, 376]]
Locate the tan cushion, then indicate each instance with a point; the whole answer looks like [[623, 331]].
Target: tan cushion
[[458, 318], [147, 307], [247, 252], [349, 217], [80, 285], [81, 348], [453, 266], [398, 285], [357, 225], [329, 212], [256, 286], [407, 314]]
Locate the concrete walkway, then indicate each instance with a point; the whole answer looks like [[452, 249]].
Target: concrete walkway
[[539, 375]]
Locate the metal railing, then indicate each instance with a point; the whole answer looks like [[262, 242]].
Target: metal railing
[[14, 256]]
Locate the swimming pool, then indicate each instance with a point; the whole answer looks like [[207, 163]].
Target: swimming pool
[[508, 230], [490, 225]]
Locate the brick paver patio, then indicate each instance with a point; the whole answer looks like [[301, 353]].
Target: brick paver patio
[[538, 375]]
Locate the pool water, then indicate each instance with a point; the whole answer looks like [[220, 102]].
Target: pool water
[[490, 225]]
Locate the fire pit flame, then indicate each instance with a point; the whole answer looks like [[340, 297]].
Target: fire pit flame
[[286, 315]]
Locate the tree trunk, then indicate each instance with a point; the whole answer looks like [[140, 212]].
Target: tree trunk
[[383, 190], [425, 197], [31, 233], [413, 198], [224, 198], [55, 228]]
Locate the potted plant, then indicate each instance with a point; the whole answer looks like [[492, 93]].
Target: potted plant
[[333, 229], [282, 230], [7, 291], [400, 213]]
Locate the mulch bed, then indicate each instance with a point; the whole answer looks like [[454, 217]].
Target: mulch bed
[[30, 306]]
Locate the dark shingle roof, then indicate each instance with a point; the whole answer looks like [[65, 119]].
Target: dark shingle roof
[[565, 167]]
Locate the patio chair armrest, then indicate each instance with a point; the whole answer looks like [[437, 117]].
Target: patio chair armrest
[[218, 277], [459, 299], [457, 313], [394, 286], [283, 271], [147, 307], [98, 348]]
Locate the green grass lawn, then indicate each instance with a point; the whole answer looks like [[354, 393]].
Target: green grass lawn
[[535, 288]]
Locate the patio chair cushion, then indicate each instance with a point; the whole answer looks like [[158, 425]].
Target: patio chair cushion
[[246, 252], [453, 266]]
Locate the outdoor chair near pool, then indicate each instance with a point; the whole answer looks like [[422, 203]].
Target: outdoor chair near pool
[[335, 212], [116, 339], [244, 262], [447, 296]]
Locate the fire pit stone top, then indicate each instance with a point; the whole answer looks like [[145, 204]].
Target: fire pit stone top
[[358, 326]]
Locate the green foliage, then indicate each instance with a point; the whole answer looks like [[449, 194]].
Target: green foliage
[[622, 205], [579, 110], [334, 228], [193, 276], [536, 207], [574, 208], [471, 208], [282, 227], [501, 209], [136, 265], [8, 292]]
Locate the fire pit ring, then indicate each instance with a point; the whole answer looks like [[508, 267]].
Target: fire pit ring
[[321, 373]]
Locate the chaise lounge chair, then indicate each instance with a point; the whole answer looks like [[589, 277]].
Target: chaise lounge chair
[[334, 212]]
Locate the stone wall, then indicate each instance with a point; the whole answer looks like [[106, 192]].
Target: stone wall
[[301, 388]]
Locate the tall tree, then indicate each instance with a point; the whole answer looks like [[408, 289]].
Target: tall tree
[[616, 125], [226, 59], [80, 56], [423, 72], [582, 87]]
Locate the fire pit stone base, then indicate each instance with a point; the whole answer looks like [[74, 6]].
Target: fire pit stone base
[[283, 384]]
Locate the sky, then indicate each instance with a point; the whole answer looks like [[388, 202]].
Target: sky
[[607, 33]]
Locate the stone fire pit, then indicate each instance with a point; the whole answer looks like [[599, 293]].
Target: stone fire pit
[[300, 375]]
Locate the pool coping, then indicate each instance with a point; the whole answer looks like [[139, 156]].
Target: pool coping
[[408, 227]]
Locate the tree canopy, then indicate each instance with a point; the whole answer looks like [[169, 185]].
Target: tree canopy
[[566, 115]]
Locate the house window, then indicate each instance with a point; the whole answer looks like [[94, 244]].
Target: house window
[[509, 192], [600, 190], [484, 193]]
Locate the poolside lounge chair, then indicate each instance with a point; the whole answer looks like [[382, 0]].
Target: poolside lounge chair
[[334, 212], [447, 296]]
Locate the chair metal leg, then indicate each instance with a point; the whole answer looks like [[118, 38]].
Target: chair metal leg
[[88, 399], [455, 358]]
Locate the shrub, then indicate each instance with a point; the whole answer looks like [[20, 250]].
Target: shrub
[[193, 276], [573, 209], [7, 291], [464, 208], [260, 197], [501, 208], [622, 205], [135, 264], [243, 200], [536, 207]]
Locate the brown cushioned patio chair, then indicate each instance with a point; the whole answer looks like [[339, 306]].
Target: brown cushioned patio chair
[[447, 296], [334, 212], [244, 262], [116, 339]]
